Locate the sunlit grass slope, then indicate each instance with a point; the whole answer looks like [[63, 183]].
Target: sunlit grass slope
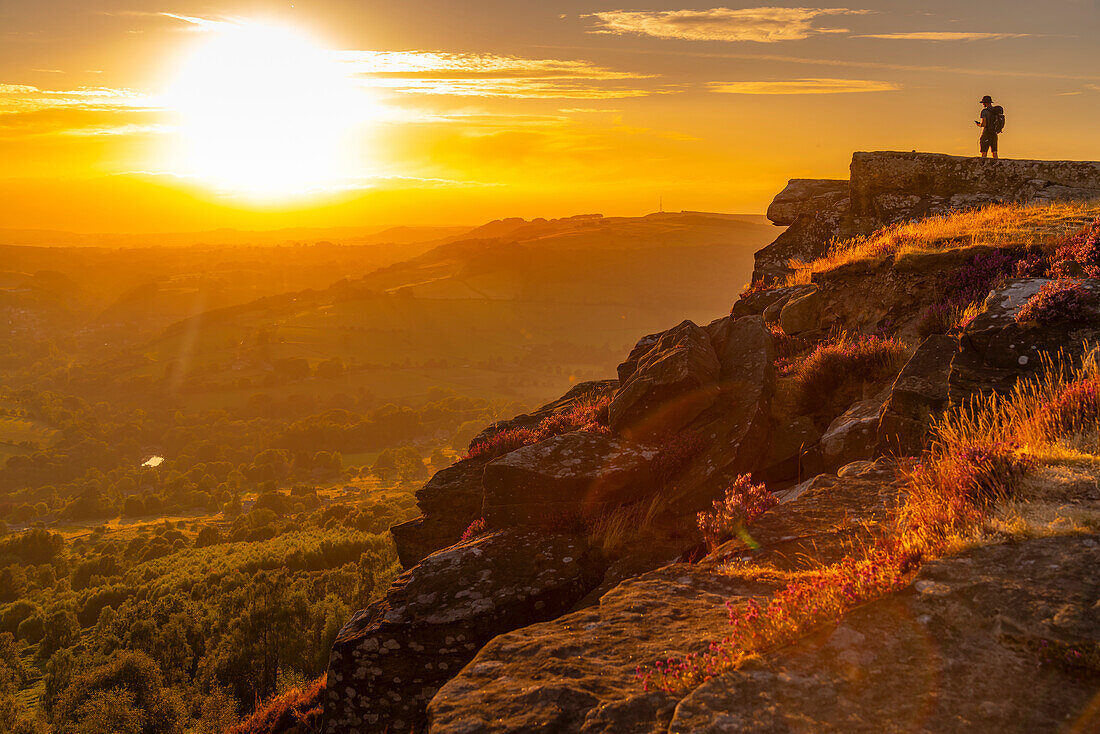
[[995, 225]]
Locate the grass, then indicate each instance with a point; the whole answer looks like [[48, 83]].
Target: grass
[[980, 454], [846, 361], [995, 225]]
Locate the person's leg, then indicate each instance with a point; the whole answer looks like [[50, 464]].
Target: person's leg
[[983, 144], [993, 146]]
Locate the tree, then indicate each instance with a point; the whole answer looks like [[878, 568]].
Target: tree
[[126, 694]]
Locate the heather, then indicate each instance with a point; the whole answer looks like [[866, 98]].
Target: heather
[[744, 501], [1058, 300], [588, 415]]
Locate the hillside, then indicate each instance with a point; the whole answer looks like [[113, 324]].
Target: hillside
[[518, 309], [863, 501]]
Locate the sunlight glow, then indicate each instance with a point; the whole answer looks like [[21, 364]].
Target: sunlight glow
[[265, 113]]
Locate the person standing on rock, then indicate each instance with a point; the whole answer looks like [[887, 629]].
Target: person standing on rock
[[992, 123]]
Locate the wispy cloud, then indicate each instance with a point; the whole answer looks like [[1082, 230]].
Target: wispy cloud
[[762, 25], [804, 86], [491, 75], [945, 36], [30, 110]]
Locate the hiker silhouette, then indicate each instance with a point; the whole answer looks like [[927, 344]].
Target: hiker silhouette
[[992, 122]]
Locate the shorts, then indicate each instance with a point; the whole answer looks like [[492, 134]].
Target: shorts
[[988, 142]]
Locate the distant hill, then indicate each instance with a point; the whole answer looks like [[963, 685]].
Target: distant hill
[[234, 237], [524, 305]]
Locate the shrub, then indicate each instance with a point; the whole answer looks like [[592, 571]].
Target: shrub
[[972, 282], [744, 502], [846, 361], [1079, 254], [1058, 300], [299, 708]]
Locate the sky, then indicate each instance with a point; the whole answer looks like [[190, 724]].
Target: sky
[[178, 115]]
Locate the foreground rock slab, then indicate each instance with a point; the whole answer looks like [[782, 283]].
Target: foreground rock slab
[[576, 673], [998, 639], [390, 659]]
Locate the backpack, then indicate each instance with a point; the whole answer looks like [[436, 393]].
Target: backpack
[[997, 122]]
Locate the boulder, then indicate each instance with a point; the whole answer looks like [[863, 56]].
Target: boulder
[[999, 638], [853, 435], [576, 673], [821, 219], [916, 397], [736, 427], [674, 381], [449, 501], [801, 313], [453, 497], [821, 520], [995, 351], [762, 301], [573, 475], [389, 660]]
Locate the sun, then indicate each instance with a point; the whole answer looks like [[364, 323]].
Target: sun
[[264, 113]]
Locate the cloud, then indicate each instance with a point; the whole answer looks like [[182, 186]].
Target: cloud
[[945, 36], [762, 25], [30, 110], [491, 75], [804, 86]]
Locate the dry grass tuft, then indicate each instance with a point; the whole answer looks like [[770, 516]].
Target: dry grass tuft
[[846, 361]]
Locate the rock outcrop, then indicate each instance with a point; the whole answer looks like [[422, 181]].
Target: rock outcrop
[[390, 659], [995, 351], [453, 497], [666, 386], [889, 187], [539, 625]]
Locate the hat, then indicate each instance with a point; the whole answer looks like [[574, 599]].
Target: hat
[[987, 98]]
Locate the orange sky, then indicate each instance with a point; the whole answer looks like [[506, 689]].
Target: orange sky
[[129, 116]]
